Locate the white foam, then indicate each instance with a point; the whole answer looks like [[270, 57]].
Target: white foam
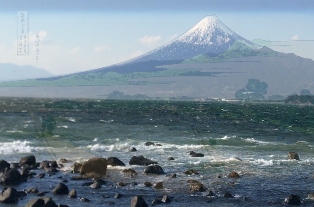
[[18, 147]]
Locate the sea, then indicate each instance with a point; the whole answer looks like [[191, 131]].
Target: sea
[[250, 138]]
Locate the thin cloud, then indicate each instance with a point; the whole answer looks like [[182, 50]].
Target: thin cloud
[[149, 40], [295, 37], [75, 50], [100, 48]]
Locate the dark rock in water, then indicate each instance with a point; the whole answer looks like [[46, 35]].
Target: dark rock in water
[[41, 175], [156, 201], [4, 165], [166, 199], [113, 161], [84, 199], [32, 190], [9, 195], [48, 164], [28, 160], [196, 154], [79, 177], [138, 201], [293, 156], [210, 193], [117, 195], [191, 172], [12, 177], [170, 158], [122, 184], [149, 144], [173, 175], [61, 189], [196, 186], [62, 205], [49, 202], [154, 169], [148, 184], [95, 185], [95, 167], [63, 160], [36, 202], [292, 200], [133, 149], [228, 195], [130, 171], [140, 160], [77, 167], [234, 175], [72, 194], [159, 185], [158, 145]]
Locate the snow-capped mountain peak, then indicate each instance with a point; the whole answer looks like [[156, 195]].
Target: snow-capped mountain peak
[[209, 35], [209, 30]]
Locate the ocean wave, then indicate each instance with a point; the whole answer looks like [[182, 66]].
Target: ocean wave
[[18, 147]]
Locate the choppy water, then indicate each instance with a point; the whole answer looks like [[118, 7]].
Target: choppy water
[[252, 139]]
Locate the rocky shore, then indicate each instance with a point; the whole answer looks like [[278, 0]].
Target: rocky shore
[[108, 182]]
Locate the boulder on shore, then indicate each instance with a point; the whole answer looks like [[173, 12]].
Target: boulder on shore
[[4, 165], [292, 200], [9, 195], [113, 161], [138, 201], [95, 167], [154, 169], [140, 160], [12, 177], [61, 189], [28, 160]]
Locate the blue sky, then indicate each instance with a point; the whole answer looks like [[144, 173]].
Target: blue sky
[[81, 35]]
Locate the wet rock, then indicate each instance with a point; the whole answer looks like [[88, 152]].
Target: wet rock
[[173, 175], [32, 190], [149, 144], [61, 189], [62, 205], [293, 156], [154, 169], [158, 145], [77, 167], [233, 175], [4, 165], [170, 158], [113, 161], [63, 160], [28, 160], [228, 195], [48, 164], [166, 199], [130, 171], [49, 202], [72, 194], [196, 186], [156, 201], [12, 177], [117, 195], [95, 185], [210, 193], [292, 200], [159, 185], [148, 184], [122, 184], [84, 200], [9, 195], [36, 202], [95, 167], [41, 175], [191, 172], [196, 154], [138, 201], [311, 196], [133, 149], [140, 160]]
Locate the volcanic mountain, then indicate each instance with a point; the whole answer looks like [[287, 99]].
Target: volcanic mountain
[[209, 60], [209, 36]]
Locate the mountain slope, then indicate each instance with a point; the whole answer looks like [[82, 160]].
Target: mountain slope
[[11, 72]]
